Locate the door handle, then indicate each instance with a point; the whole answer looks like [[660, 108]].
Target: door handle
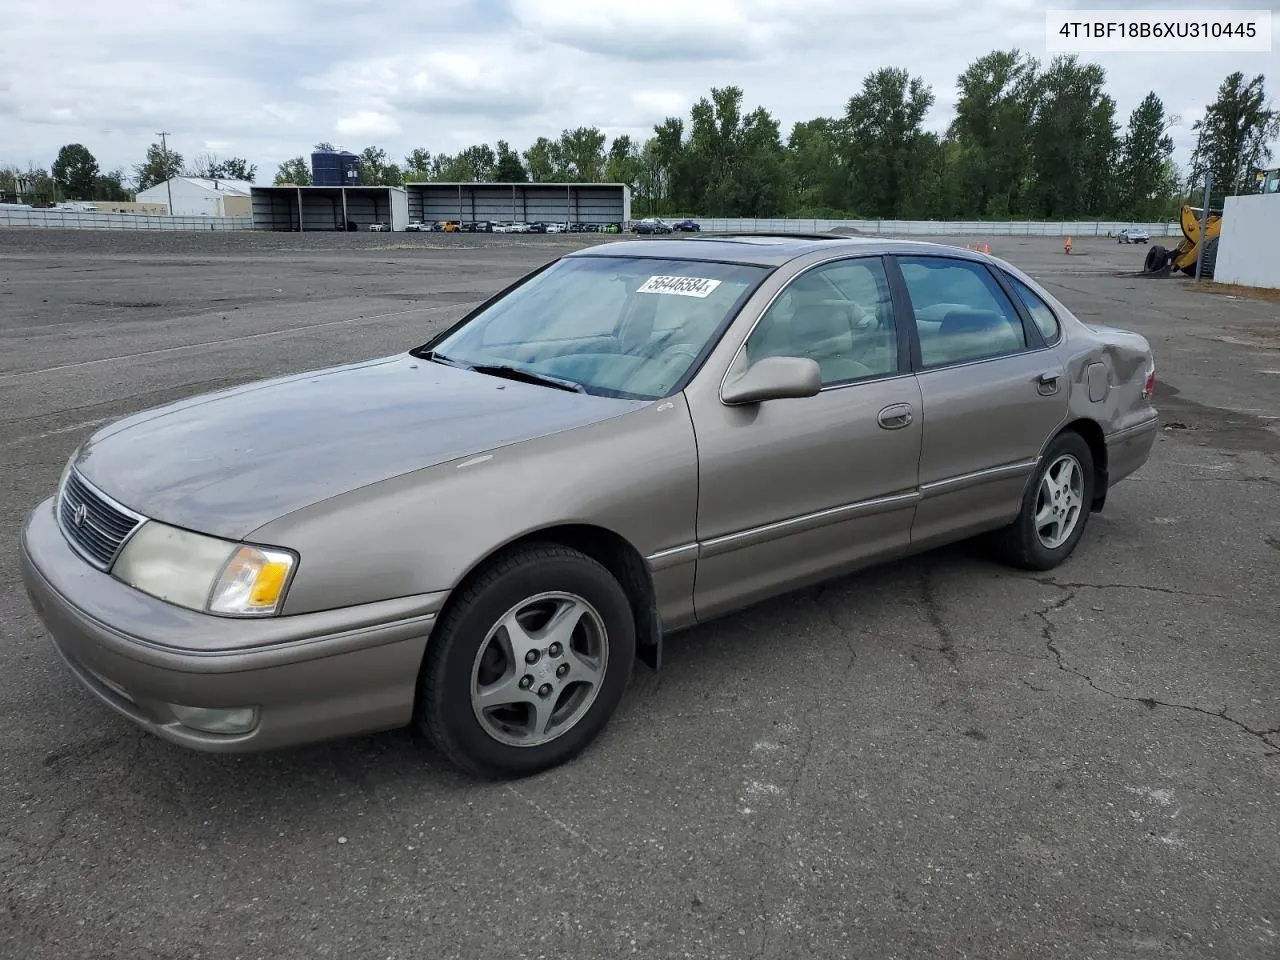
[[895, 416], [1047, 383]]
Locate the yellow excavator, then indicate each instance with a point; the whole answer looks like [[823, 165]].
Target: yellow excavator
[[1183, 257]]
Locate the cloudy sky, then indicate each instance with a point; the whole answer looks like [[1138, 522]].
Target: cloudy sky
[[269, 78]]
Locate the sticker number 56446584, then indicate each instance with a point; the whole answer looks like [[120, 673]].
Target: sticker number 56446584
[[680, 286]]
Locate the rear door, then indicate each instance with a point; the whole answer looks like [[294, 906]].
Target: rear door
[[993, 393]]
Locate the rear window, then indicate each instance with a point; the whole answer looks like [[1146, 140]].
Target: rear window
[[1044, 317]]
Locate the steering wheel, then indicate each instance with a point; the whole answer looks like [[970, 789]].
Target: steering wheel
[[676, 354]]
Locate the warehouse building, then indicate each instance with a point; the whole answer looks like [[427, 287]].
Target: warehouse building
[[287, 208], [598, 203], [199, 197]]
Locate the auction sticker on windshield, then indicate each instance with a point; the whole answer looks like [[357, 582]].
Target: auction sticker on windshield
[[680, 286]]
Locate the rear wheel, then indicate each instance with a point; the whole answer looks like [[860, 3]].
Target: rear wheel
[[1055, 508], [525, 670]]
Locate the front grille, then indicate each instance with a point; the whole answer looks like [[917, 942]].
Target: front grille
[[92, 523]]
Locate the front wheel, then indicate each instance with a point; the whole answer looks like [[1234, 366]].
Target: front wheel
[[1055, 508], [526, 669]]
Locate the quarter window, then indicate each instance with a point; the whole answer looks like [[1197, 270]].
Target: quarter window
[[839, 314], [962, 315], [1044, 318]]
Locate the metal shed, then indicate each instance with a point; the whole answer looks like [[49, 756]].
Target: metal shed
[[286, 208], [520, 202]]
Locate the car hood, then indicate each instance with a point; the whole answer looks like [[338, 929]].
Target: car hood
[[226, 463]]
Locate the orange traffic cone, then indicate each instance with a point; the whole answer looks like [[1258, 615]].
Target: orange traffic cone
[[1067, 247], [986, 247]]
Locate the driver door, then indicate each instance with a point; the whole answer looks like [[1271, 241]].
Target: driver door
[[795, 491]]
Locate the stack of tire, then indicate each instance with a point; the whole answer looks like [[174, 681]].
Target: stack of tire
[[1158, 258]]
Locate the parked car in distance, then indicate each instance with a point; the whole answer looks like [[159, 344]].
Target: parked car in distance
[[633, 439], [651, 225], [416, 226], [380, 227], [686, 226], [1133, 235]]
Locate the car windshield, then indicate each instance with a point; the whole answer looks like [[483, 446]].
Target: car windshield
[[612, 326]]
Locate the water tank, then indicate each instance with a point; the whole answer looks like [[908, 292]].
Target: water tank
[[326, 168], [349, 168]]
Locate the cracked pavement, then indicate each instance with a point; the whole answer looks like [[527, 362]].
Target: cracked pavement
[[936, 758]]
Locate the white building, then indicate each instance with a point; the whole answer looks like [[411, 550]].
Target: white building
[[200, 197]]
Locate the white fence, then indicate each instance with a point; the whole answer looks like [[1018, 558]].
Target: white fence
[[73, 220], [939, 228]]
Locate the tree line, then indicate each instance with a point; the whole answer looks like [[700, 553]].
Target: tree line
[[1028, 140], [76, 175]]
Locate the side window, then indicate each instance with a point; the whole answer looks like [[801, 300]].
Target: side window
[[1039, 310], [961, 313], [839, 314]]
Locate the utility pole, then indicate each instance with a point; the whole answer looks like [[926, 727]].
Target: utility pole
[[168, 181]]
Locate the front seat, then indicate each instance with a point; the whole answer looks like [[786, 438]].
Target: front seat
[[823, 331]]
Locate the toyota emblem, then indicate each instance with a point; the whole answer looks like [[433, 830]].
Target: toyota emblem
[[78, 517]]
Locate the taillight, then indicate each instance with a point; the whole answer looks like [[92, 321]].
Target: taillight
[[1149, 388]]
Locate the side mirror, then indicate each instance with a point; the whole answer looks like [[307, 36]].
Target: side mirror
[[774, 378]]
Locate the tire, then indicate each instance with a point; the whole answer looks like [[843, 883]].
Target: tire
[[1156, 259], [1210, 261], [1021, 544], [465, 654]]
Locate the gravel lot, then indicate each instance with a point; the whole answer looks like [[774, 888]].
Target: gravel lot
[[938, 758]]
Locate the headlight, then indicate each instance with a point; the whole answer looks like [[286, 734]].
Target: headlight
[[205, 573]]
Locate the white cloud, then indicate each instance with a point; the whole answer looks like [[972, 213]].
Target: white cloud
[[268, 80], [367, 124]]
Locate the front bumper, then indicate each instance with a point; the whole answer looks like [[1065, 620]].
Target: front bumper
[[311, 676]]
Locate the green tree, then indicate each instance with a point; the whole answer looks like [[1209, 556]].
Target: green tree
[[417, 165], [1074, 140], [294, 172], [210, 166], [373, 166], [508, 168], [881, 142], [1143, 187], [75, 171], [582, 154], [759, 168], [475, 164], [992, 132], [545, 161], [238, 168], [111, 187], [1234, 136], [324, 145], [814, 172], [666, 159], [624, 163], [161, 164]]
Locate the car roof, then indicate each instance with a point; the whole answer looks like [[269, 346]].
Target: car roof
[[771, 250]]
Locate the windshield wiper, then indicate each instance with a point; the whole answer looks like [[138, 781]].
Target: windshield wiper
[[436, 356], [528, 376]]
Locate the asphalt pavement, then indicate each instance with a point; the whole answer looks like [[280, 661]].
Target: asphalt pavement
[[937, 758]]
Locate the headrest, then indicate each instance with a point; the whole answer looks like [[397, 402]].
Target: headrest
[[817, 323], [971, 321]]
